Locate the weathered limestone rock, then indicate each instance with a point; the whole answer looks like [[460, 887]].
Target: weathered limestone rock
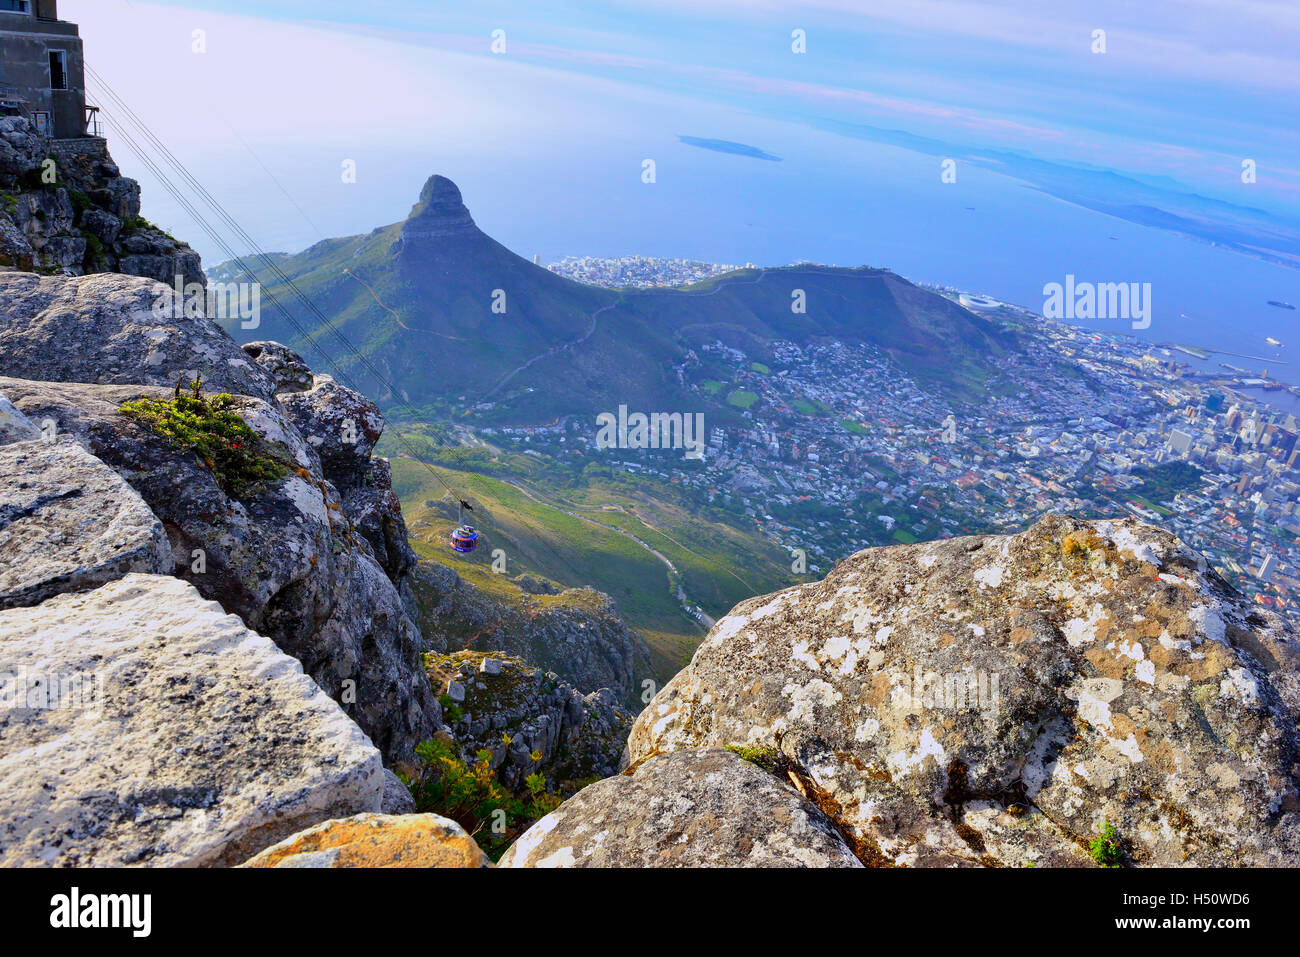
[[69, 523], [286, 367], [187, 738], [284, 557], [377, 840], [102, 329], [687, 809], [14, 426], [996, 700]]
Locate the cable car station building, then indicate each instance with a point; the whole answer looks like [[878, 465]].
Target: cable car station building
[[42, 69]]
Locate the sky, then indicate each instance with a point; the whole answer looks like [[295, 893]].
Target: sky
[[272, 97]]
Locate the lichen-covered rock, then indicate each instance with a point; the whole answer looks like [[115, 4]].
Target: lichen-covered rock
[[707, 808], [283, 557], [285, 367], [178, 736], [68, 522], [377, 840], [14, 426], [376, 514], [996, 700], [21, 148], [68, 208], [342, 428], [529, 720], [340, 424], [102, 329], [397, 797]]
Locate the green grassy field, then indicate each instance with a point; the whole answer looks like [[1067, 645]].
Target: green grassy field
[[602, 533]]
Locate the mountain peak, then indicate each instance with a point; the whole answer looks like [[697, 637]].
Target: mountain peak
[[440, 211]]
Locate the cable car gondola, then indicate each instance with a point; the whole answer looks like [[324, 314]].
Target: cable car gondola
[[465, 538]]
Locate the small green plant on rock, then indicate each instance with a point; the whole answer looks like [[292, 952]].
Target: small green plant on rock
[[769, 759], [1105, 848], [442, 783], [218, 436]]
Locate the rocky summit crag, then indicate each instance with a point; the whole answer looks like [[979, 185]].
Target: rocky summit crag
[[292, 558], [66, 208]]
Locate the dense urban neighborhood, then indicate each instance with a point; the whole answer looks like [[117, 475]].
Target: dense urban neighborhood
[[840, 450], [636, 272]]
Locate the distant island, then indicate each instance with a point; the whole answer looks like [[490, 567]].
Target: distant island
[[727, 146]]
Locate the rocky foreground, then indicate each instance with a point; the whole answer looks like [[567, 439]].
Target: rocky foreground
[[996, 701], [240, 663], [200, 672]]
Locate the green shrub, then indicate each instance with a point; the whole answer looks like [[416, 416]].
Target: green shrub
[[1106, 849], [94, 252], [33, 179], [769, 759], [218, 437], [450, 708], [442, 783], [80, 201]]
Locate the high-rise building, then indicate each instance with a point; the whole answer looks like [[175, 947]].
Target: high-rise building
[[1267, 569], [1180, 441]]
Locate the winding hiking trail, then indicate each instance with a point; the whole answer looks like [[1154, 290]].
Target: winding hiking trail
[[394, 313]]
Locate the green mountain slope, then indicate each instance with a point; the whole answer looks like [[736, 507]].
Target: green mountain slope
[[446, 319], [638, 543]]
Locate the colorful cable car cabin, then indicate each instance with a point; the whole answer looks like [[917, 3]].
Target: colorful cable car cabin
[[464, 539]]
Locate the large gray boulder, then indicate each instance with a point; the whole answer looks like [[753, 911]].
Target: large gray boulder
[[102, 329], [998, 700], [282, 364], [686, 809], [68, 522], [180, 737], [283, 557]]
